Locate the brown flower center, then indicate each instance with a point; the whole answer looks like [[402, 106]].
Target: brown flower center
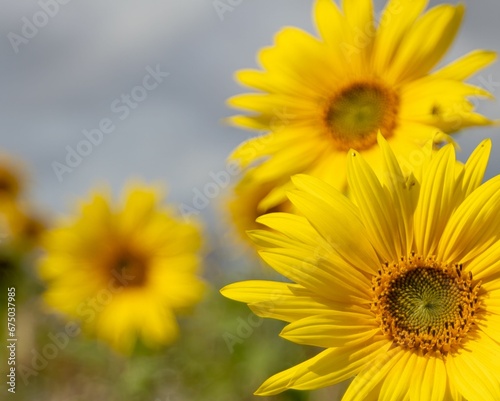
[[356, 113], [9, 183], [422, 304], [129, 268]]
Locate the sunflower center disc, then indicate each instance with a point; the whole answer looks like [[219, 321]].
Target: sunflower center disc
[[423, 298], [5, 186], [9, 184], [424, 305], [356, 113], [130, 270]]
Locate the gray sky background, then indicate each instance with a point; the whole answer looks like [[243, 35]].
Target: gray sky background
[[92, 51]]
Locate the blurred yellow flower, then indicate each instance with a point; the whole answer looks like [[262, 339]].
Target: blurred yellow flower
[[321, 96], [245, 205], [125, 273], [11, 178], [399, 282], [18, 224]]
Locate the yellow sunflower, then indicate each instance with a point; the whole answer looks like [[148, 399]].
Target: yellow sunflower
[[321, 96], [124, 272], [400, 283]]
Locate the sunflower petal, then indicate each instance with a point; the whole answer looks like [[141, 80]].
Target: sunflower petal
[[329, 367], [472, 378], [435, 202], [398, 381], [466, 66], [475, 167], [375, 208], [472, 228], [365, 384], [331, 330], [431, 381], [283, 301], [416, 57], [341, 229], [397, 19]]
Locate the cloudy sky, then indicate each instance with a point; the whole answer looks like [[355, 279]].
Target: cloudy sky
[[71, 74]]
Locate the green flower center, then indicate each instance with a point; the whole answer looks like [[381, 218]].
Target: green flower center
[[424, 298], [422, 304], [356, 113]]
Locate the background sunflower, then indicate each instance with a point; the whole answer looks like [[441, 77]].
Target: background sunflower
[[364, 72]]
